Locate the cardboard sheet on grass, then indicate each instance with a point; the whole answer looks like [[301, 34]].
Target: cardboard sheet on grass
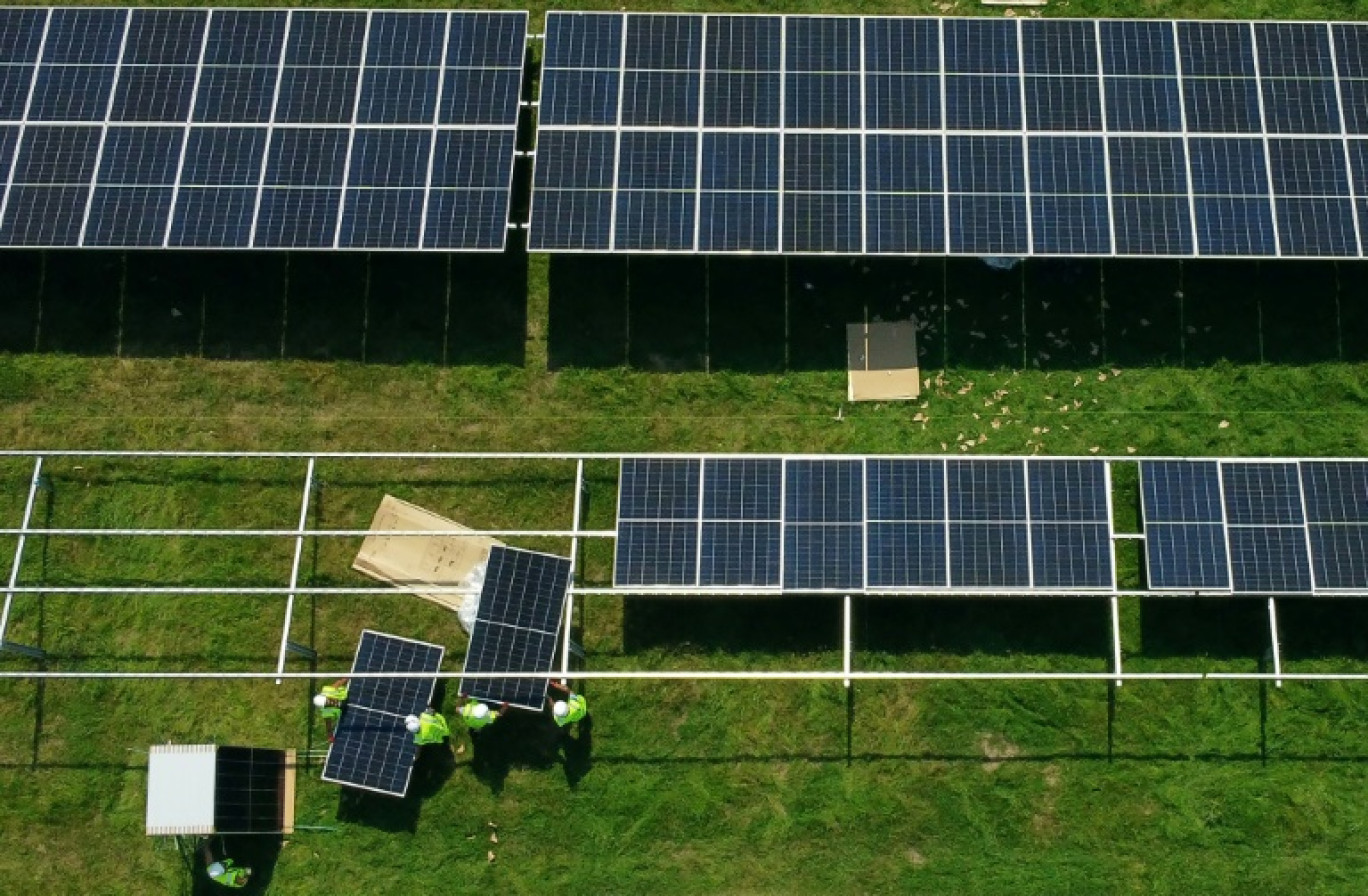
[[411, 562], [881, 358]]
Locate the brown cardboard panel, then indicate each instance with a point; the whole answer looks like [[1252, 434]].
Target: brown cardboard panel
[[884, 385], [412, 561]]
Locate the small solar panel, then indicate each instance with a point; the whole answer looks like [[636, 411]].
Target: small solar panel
[[658, 512], [823, 524], [371, 750], [516, 627]]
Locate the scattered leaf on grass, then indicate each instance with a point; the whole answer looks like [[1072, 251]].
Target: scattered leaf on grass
[[1223, 424]]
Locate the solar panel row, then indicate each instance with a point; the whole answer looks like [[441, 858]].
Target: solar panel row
[[883, 524], [1256, 527], [517, 625], [240, 128], [806, 134]]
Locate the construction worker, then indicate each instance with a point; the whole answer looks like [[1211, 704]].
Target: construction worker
[[229, 873], [329, 702], [428, 728], [477, 715], [572, 709]]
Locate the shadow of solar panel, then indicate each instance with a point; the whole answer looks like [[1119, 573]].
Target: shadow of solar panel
[[371, 750]]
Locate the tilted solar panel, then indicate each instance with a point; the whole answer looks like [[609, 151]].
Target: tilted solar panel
[[517, 625]]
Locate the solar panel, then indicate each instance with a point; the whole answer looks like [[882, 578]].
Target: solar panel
[[823, 524], [1265, 526], [658, 512], [379, 652], [345, 129], [907, 539], [371, 749], [739, 540], [1070, 524], [516, 627], [1336, 501], [849, 135], [1185, 544]]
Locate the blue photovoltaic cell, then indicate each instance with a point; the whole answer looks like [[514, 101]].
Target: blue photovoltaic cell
[[822, 223], [823, 491], [379, 652], [372, 750], [1138, 48], [1067, 491], [1181, 491], [739, 554], [1186, 556], [823, 556], [980, 45], [1051, 47], [986, 490], [989, 555], [1269, 560], [294, 70], [742, 489], [905, 490], [1184, 525], [902, 45], [1259, 494], [1149, 105], [1070, 555], [907, 555], [1072, 165], [517, 626], [1336, 491], [983, 102], [1339, 555], [654, 488]]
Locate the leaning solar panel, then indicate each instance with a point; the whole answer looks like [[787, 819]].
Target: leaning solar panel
[[371, 750], [847, 135], [1185, 544], [235, 129], [516, 627], [378, 652]]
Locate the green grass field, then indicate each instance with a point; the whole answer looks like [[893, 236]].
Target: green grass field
[[691, 787]]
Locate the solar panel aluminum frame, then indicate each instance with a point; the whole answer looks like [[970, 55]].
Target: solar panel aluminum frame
[[1194, 204], [346, 191]]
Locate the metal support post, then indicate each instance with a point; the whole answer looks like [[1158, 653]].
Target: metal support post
[[1276, 647], [285, 643], [567, 647], [1116, 638], [34, 484]]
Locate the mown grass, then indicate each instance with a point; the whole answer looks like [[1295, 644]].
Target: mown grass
[[695, 787]]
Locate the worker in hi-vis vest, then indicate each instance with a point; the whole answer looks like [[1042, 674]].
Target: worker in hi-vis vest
[[229, 873], [329, 702], [477, 715], [429, 728], [572, 709]]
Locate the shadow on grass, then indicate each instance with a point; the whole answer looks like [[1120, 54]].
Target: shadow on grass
[[260, 852], [789, 623], [380, 308], [967, 625], [433, 768], [1218, 627], [764, 315]]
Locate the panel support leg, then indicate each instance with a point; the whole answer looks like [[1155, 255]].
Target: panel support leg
[[1116, 637], [285, 643], [35, 484], [846, 641], [1275, 647], [568, 647]]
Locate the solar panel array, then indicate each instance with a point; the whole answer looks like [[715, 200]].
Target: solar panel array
[[864, 524], [1256, 527], [826, 134], [371, 748], [517, 626], [233, 128]]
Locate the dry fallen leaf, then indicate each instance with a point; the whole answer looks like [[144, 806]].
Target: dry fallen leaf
[[491, 857], [493, 838], [1224, 424]]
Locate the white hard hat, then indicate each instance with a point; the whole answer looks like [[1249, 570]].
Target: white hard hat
[[216, 869], [320, 701], [411, 723], [480, 711], [560, 709]]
